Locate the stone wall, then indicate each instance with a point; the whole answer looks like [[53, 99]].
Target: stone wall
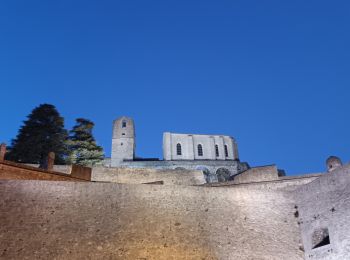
[[123, 140], [57, 168], [142, 175], [10, 171], [233, 167], [207, 166], [257, 174], [65, 220], [289, 183], [323, 208]]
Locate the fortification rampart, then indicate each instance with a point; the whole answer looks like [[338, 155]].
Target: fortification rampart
[[324, 215], [256, 174], [65, 220], [289, 183], [143, 175], [67, 169]]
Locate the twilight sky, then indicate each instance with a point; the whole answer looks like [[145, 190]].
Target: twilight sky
[[273, 74]]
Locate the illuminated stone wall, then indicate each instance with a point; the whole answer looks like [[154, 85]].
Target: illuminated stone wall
[[257, 174], [66, 220], [143, 175], [10, 171], [324, 209]]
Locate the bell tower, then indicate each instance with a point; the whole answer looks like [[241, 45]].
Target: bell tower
[[123, 140]]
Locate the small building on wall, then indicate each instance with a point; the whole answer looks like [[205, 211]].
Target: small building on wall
[[215, 155]]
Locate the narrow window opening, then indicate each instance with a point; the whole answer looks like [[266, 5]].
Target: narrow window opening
[[123, 133], [217, 150], [200, 150], [178, 149], [123, 124], [320, 238], [226, 151]]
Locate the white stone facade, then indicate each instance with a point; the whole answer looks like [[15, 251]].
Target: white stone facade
[[214, 155], [123, 140], [199, 147]]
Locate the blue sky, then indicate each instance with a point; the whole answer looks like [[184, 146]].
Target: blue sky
[[273, 74]]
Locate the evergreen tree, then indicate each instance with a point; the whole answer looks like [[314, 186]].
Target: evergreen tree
[[42, 132], [83, 148]]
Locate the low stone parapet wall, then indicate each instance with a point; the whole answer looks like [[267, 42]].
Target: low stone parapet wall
[[143, 175], [257, 174], [11, 171], [57, 168]]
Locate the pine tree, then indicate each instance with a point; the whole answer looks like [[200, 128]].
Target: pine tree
[[83, 148], [41, 133]]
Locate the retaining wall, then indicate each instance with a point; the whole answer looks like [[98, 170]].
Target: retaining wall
[[324, 206], [67, 220], [142, 175]]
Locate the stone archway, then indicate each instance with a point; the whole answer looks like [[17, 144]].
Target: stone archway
[[206, 173], [223, 174]]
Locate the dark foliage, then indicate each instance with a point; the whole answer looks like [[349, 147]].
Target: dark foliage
[[41, 133], [82, 144]]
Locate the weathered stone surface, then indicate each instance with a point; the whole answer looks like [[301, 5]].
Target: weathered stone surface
[[65, 220], [257, 174], [81, 172], [123, 140], [17, 171], [288, 183], [324, 205], [57, 168], [142, 175], [211, 166]]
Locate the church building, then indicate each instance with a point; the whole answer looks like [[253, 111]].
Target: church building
[[215, 155]]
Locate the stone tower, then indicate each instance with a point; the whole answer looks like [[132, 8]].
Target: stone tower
[[123, 140]]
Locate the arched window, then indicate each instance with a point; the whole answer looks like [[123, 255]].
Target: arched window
[[123, 124], [178, 149], [217, 150], [226, 151], [207, 175], [200, 150]]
